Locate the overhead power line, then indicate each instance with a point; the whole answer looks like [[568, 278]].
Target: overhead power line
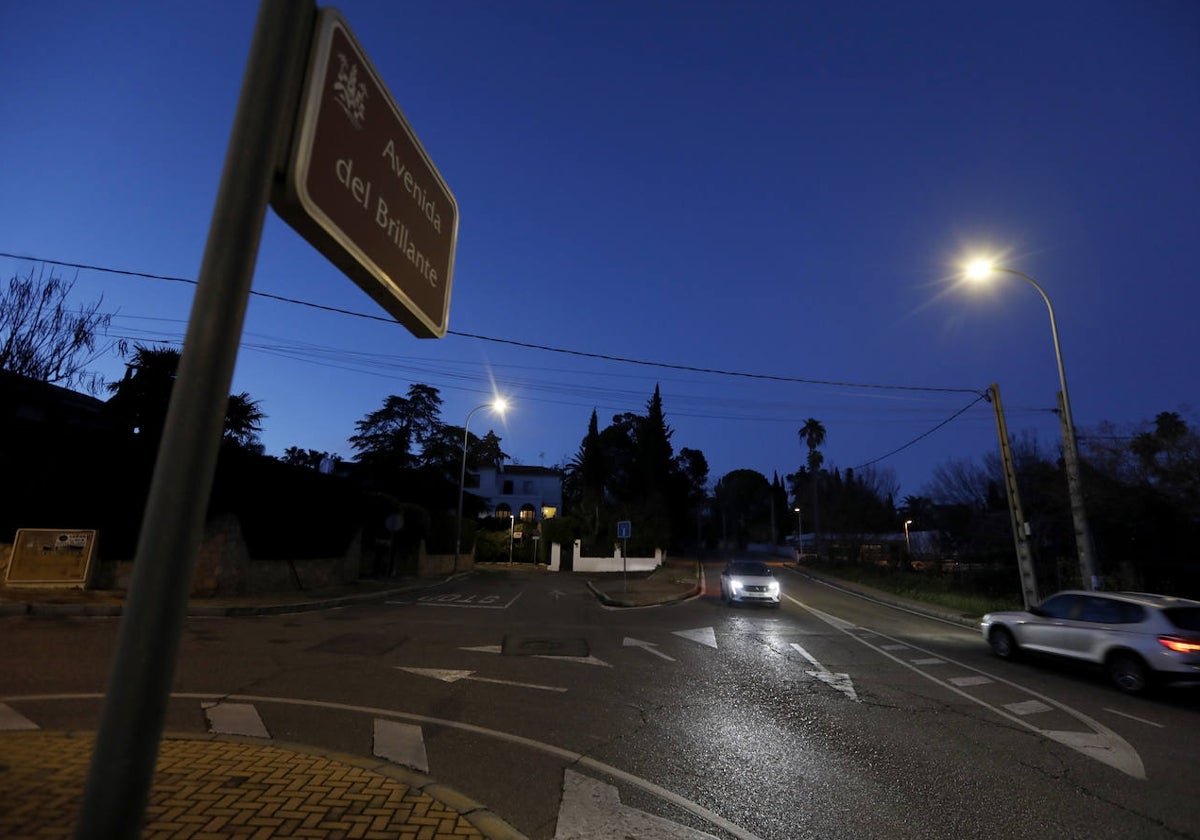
[[527, 345], [980, 394]]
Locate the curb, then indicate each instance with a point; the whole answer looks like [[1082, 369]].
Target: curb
[[614, 601], [197, 608]]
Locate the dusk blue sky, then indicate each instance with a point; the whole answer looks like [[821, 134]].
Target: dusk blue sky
[[781, 189]]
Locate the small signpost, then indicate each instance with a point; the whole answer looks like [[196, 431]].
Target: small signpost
[[361, 189], [624, 532]]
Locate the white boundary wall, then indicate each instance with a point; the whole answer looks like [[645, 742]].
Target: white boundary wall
[[605, 564]]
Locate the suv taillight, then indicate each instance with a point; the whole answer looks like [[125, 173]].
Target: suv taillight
[[1179, 645]]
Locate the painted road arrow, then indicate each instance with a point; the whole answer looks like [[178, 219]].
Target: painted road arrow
[[647, 646], [584, 660], [839, 681], [701, 635], [449, 675]]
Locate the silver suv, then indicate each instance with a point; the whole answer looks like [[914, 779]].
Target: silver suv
[[1138, 638]]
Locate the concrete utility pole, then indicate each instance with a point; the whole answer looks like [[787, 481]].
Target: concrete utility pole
[[1020, 527]]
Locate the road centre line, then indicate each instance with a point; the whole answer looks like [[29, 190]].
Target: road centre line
[[1101, 744], [575, 759]]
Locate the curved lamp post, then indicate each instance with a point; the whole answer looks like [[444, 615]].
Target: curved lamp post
[[907, 541], [498, 405], [979, 270]]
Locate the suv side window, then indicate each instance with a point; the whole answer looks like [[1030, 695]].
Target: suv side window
[[1132, 613], [1103, 611], [1062, 606]]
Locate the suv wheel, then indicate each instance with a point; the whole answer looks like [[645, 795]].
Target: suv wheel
[[1002, 642], [1128, 673]]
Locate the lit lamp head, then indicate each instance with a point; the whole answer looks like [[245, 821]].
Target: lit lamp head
[[979, 270], [499, 405]]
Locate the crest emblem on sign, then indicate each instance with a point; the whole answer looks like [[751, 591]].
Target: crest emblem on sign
[[349, 92]]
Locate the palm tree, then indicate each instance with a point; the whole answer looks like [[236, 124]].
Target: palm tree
[[812, 434], [243, 421], [139, 400]]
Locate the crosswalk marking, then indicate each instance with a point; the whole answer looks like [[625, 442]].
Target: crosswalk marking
[[234, 719], [11, 720], [1027, 707], [965, 682], [592, 810], [400, 743]]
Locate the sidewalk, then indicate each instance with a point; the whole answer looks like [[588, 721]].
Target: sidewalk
[[207, 787]]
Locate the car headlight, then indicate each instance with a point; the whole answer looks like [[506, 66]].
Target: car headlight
[[773, 587], [735, 585]]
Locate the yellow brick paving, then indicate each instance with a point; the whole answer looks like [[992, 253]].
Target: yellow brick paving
[[205, 789]]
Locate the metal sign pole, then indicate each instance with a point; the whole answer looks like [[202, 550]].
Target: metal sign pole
[[625, 563], [139, 685]]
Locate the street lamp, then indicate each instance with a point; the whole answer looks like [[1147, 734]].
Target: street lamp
[[907, 542], [498, 405], [799, 530], [979, 270]]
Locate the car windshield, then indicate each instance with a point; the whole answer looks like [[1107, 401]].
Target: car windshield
[[1185, 618], [750, 570]]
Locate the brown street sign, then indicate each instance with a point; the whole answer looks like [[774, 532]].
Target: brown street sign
[[363, 191]]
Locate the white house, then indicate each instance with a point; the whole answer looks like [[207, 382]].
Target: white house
[[531, 494]]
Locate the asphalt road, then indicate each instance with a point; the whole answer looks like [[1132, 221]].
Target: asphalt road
[[832, 717]]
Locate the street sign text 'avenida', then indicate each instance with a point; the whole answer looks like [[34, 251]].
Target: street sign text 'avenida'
[[363, 191]]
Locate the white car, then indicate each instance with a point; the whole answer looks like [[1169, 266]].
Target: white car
[[1138, 638], [749, 581]]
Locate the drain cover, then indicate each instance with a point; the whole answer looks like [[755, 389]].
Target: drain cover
[[544, 646]]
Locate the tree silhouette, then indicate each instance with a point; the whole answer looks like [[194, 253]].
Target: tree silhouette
[[139, 401], [387, 437], [812, 433], [43, 339]]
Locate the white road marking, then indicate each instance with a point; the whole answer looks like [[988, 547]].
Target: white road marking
[[400, 743], [649, 647], [451, 675], [1138, 719], [567, 756], [454, 599], [12, 721], [1027, 707], [592, 810], [965, 682], [1101, 743], [841, 682], [929, 661], [582, 660], [894, 647], [234, 719], [703, 635]]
